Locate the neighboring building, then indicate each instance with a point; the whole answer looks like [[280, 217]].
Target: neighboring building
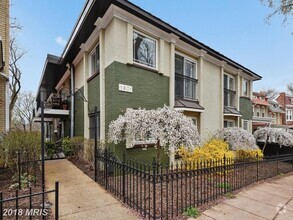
[[266, 112], [260, 111], [276, 113], [4, 65], [120, 56], [286, 103]]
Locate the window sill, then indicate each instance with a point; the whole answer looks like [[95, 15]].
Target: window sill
[[93, 76], [144, 67]]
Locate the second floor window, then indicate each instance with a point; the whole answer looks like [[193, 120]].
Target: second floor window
[[144, 50], [229, 91], [245, 88], [95, 61], [185, 78], [289, 115]]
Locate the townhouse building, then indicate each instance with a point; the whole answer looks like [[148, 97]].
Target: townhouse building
[[4, 65], [120, 56], [286, 103], [266, 112]]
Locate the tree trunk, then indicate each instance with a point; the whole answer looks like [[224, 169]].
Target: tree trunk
[[264, 147]]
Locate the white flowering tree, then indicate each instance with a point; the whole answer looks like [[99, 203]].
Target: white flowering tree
[[238, 138], [274, 135], [169, 128]]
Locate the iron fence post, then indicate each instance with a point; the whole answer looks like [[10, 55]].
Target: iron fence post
[[56, 200], [257, 167], [95, 145], [106, 167], [19, 169], [154, 186], [225, 175], [1, 206], [123, 177]]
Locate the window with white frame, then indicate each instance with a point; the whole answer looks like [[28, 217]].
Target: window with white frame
[[185, 77], [144, 50], [140, 140], [229, 90], [289, 115], [229, 123], [245, 124], [263, 112], [94, 60], [245, 88]]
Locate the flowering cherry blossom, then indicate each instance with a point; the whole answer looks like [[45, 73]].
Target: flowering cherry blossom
[[238, 138], [274, 135], [170, 128]]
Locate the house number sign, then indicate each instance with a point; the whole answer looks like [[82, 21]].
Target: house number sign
[[125, 88]]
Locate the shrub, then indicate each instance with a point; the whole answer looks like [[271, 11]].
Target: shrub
[[249, 154], [50, 149], [191, 212], [67, 146], [213, 150], [27, 143], [77, 145]]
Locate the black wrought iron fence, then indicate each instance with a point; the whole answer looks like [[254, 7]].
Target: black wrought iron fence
[[159, 191], [23, 206]]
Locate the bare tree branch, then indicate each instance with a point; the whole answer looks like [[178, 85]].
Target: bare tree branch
[[23, 110], [290, 88], [270, 93]]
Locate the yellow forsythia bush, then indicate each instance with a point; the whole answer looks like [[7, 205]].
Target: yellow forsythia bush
[[213, 150], [249, 154]]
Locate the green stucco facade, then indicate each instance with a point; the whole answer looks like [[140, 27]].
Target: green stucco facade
[[246, 108], [94, 94], [150, 91], [79, 113]]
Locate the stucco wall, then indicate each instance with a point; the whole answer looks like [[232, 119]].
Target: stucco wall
[[79, 75], [212, 116]]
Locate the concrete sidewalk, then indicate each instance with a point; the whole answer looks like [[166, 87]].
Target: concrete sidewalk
[[80, 196], [270, 200]]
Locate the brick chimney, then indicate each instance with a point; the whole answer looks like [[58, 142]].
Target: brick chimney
[[282, 100]]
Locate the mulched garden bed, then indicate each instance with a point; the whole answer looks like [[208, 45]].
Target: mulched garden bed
[[23, 204], [176, 193]]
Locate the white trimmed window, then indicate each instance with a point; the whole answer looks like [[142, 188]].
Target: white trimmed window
[[185, 78], [245, 124], [229, 90], [144, 50], [94, 60], [229, 123], [245, 88], [289, 115]]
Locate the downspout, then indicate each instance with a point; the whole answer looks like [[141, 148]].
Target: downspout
[[72, 106], [6, 101]]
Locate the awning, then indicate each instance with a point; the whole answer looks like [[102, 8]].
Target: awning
[[231, 111], [186, 105], [38, 119]]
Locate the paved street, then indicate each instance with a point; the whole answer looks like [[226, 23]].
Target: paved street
[[80, 196], [270, 200]]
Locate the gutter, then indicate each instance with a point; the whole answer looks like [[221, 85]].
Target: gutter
[[72, 104], [6, 101]]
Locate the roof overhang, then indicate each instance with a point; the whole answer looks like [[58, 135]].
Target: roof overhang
[[232, 111], [93, 9], [53, 113]]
